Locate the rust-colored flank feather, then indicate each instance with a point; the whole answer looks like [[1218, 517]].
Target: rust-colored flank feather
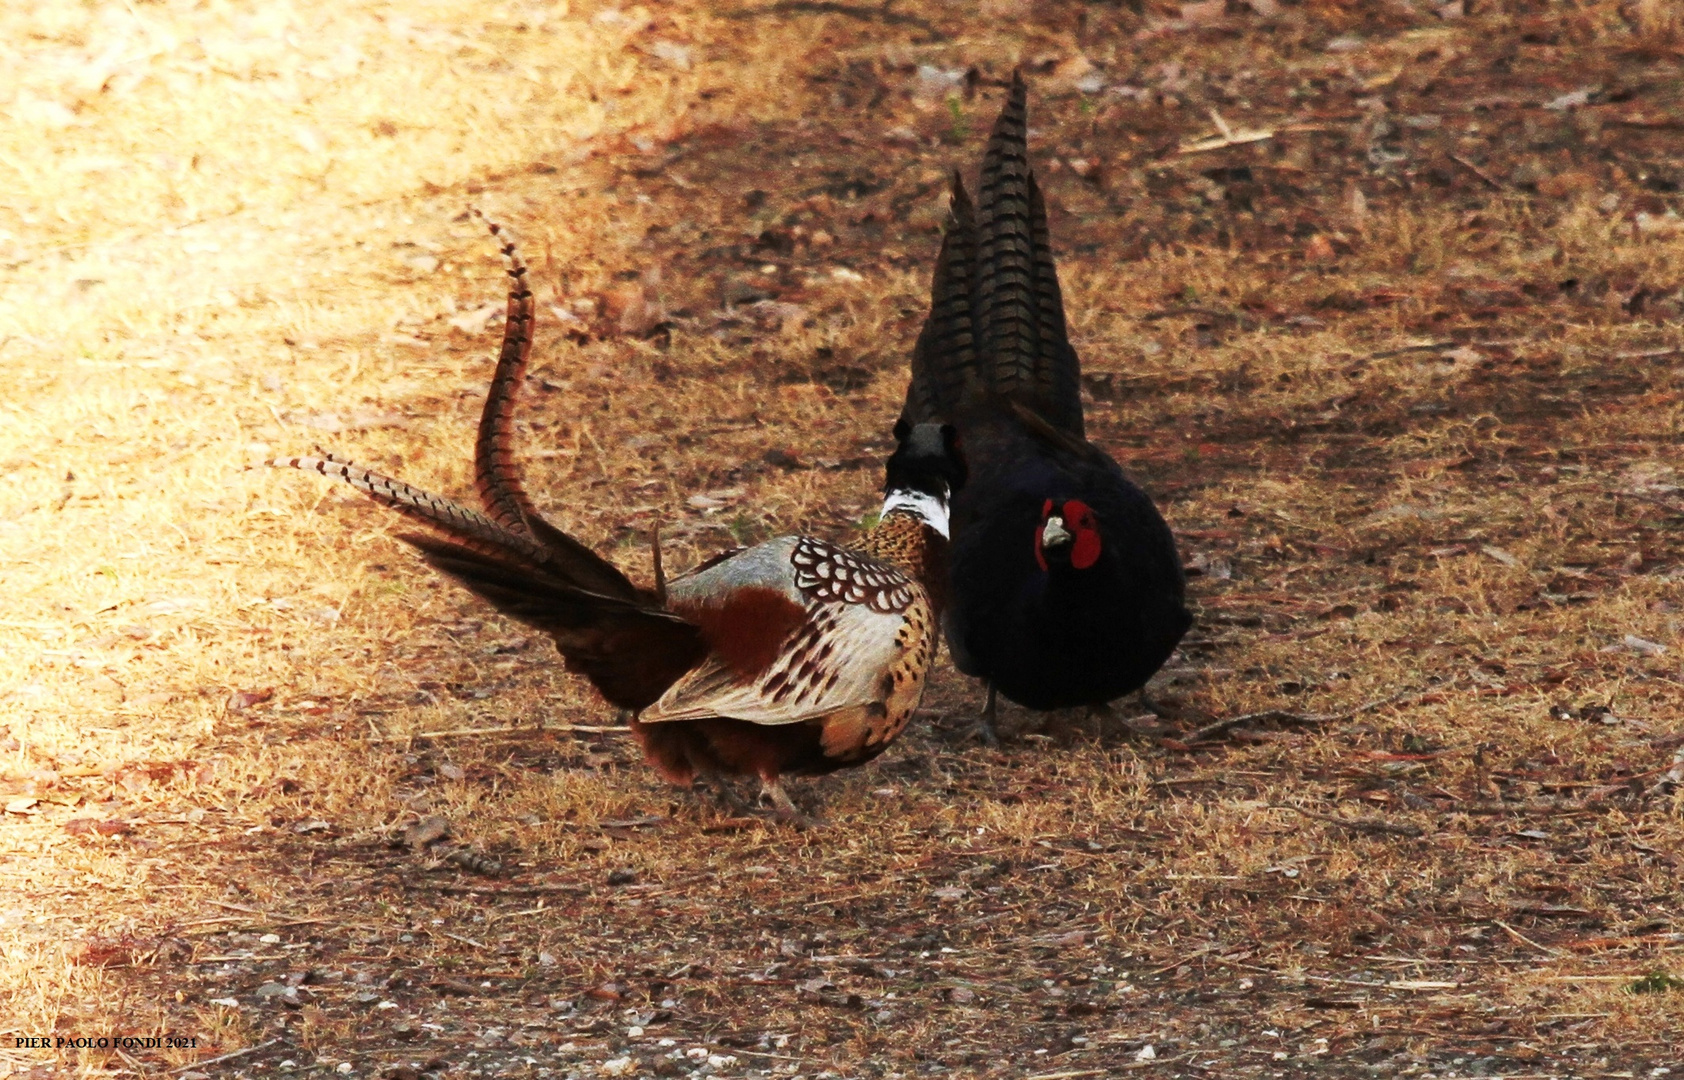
[[746, 628]]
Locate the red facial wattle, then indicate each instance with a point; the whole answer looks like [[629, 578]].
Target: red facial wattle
[[1040, 555], [1079, 518], [1083, 525]]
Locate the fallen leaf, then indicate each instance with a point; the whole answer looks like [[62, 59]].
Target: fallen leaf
[[1500, 555], [1573, 100], [1643, 645], [429, 830]]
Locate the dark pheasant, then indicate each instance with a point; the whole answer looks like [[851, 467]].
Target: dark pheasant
[[793, 657], [1066, 589]]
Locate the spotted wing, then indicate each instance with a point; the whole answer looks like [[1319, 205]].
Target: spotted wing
[[859, 625], [826, 572]]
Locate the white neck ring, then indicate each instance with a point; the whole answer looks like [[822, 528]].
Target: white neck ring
[[931, 509]]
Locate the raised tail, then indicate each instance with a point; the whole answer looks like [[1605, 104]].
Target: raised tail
[[498, 475], [944, 358], [1058, 370], [1024, 353]]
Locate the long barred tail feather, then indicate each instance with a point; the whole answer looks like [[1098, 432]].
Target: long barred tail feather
[[630, 647], [497, 476], [467, 527], [1006, 256], [497, 472]]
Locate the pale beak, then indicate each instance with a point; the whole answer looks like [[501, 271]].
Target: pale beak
[[1054, 534]]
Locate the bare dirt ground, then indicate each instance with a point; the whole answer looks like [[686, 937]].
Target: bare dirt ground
[[1380, 301]]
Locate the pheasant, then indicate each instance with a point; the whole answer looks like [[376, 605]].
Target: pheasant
[[1065, 586], [793, 657]]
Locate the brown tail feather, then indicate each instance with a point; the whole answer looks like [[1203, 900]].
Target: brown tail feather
[[496, 474], [631, 650], [468, 527], [497, 471], [944, 358]]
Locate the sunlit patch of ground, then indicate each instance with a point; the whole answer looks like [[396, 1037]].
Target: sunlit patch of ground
[[1404, 375]]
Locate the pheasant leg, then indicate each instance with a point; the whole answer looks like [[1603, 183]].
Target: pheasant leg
[[985, 728], [1162, 712], [784, 807]]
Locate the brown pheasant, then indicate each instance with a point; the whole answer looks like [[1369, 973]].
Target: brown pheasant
[[793, 657]]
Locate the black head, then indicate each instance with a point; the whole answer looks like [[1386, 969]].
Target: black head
[[927, 459]]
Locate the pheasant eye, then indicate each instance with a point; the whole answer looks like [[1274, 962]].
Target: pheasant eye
[[1046, 509]]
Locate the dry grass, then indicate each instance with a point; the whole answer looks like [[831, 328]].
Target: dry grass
[[1421, 437]]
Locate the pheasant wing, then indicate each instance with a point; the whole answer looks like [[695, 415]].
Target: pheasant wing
[[859, 621], [836, 659]]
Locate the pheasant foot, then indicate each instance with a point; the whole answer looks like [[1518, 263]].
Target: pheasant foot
[[984, 728], [1143, 726], [724, 796]]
